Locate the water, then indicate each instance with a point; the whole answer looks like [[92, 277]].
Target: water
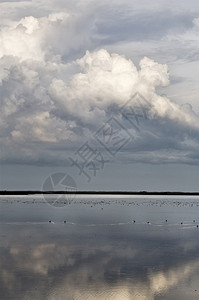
[[109, 247]]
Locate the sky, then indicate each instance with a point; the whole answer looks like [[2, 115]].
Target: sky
[[103, 92]]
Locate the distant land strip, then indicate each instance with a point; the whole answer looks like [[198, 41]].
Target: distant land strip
[[5, 192]]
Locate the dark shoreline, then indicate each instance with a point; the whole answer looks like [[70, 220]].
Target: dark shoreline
[[100, 193]]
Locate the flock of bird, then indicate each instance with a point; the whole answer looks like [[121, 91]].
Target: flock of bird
[[181, 223]]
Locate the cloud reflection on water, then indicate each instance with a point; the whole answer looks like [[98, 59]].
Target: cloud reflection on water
[[74, 262]]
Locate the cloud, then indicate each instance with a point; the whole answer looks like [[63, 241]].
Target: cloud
[[111, 79], [26, 39], [106, 79], [49, 98]]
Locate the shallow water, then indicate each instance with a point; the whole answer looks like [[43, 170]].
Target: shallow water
[[107, 248]]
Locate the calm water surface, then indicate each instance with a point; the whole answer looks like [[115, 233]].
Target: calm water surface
[[107, 248]]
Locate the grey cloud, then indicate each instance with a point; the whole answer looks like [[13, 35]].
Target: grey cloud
[[114, 27], [72, 111], [46, 101]]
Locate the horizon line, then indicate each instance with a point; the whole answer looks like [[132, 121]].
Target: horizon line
[[114, 192]]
